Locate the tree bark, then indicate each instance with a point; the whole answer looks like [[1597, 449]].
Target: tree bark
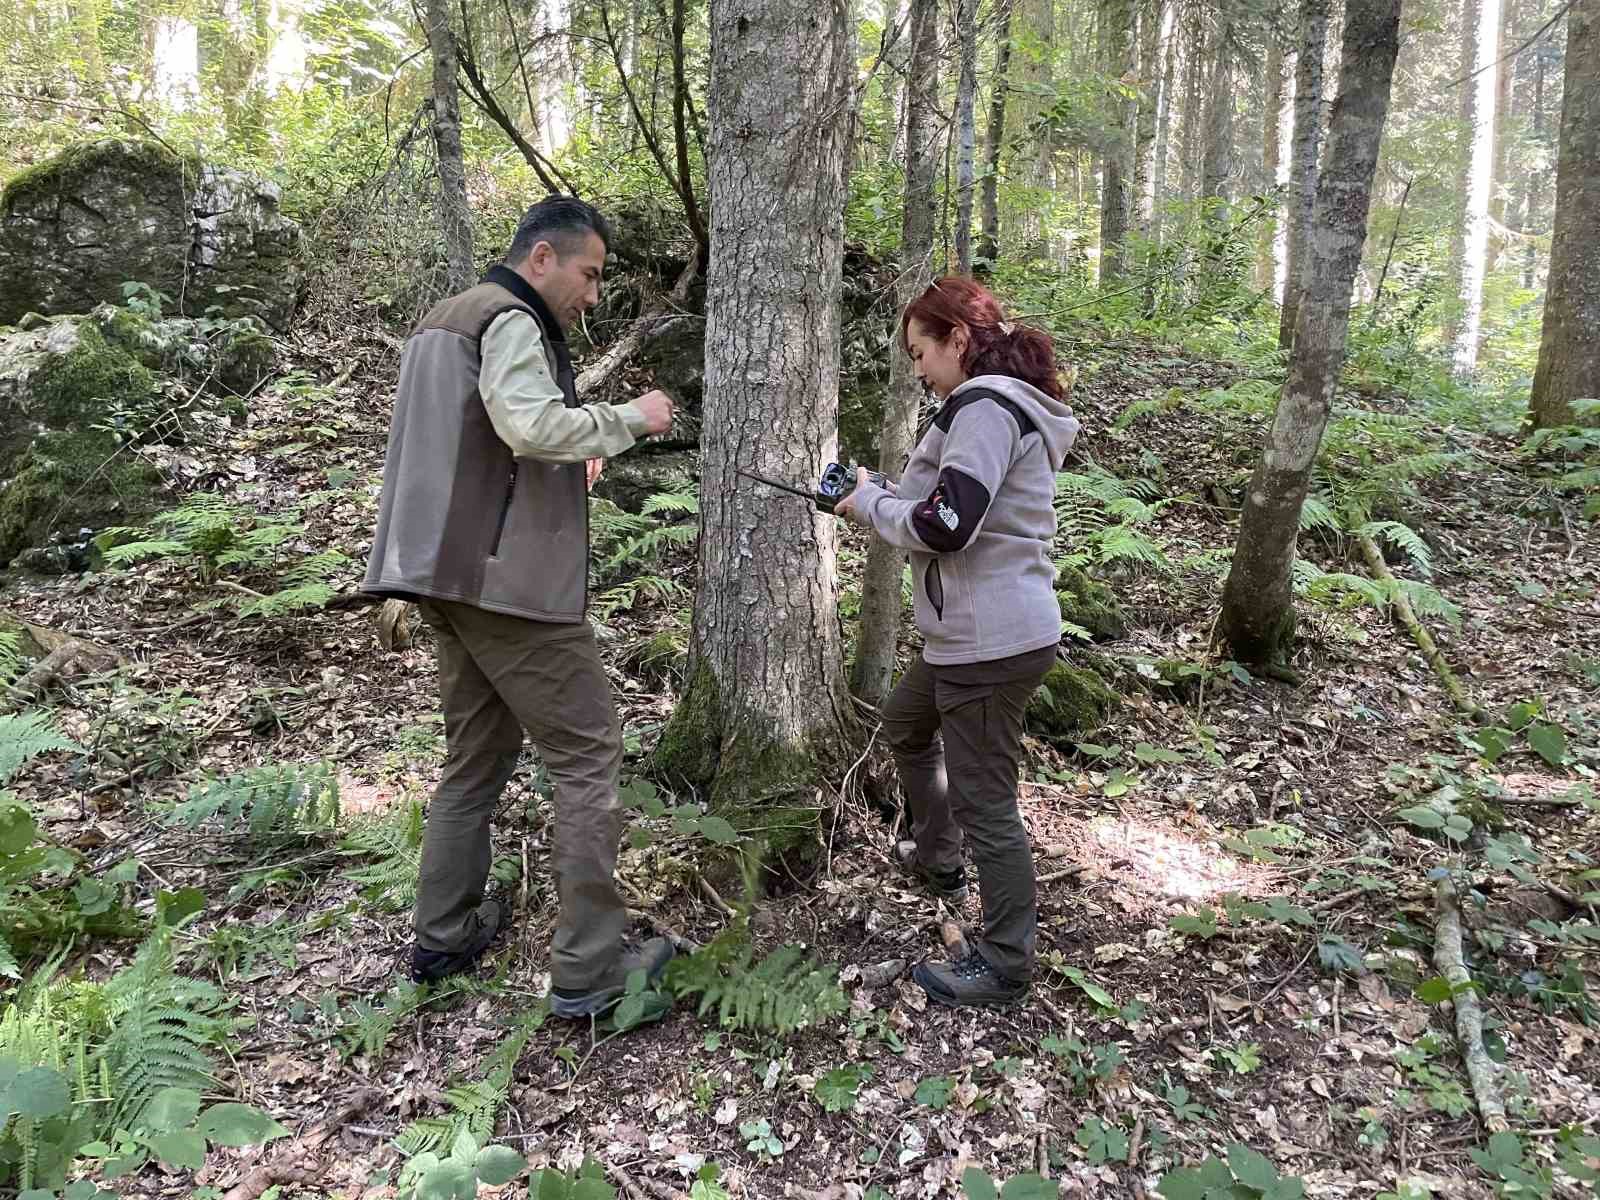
[[966, 132], [1193, 145], [1271, 154], [1303, 159], [765, 707], [1116, 166], [1217, 162], [1158, 181], [1037, 18], [1480, 27], [882, 598], [1504, 90], [1257, 618], [1153, 19], [1569, 346], [455, 218], [994, 138]]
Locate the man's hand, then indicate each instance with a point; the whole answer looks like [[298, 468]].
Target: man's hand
[[591, 471], [657, 409]]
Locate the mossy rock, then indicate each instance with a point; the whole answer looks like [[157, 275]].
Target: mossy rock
[[1090, 604], [660, 657], [1071, 703], [245, 358], [61, 469]]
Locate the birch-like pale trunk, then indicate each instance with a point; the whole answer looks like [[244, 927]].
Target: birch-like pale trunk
[[994, 137], [1569, 346], [882, 597], [1257, 618], [1117, 164], [455, 217], [1303, 159], [966, 129], [1272, 111], [765, 708], [1480, 29]]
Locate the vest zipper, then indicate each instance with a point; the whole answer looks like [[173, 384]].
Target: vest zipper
[[505, 510]]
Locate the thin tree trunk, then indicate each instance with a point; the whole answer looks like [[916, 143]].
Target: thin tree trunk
[[1533, 181], [966, 99], [1257, 618], [1569, 347], [1153, 16], [1193, 147], [1217, 161], [455, 218], [1117, 165], [1480, 27], [1037, 18], [1303, 164], [1504, 90], [1158, 180], [765, 707], [994, 139], [882, 598], [1271, 153]]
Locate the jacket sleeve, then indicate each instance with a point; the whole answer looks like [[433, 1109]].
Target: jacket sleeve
[[977, 453], [527, 409]]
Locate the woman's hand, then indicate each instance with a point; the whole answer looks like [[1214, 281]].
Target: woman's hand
[[847, 509]]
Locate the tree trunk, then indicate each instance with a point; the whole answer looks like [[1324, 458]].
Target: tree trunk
[[1303, 159], [1217, 162], [1153, 19], [1158, 173], [1533, 181], [1504, 90], [1257, 601], [1037, 18], [1271, 154], [994, 138], [455, 218], [1116, 167], [765, 707], [1480, 26], [882, 598], [1193, 147], [1569, 347], [966, 99]]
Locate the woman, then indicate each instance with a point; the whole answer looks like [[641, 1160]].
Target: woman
[[974, 509]]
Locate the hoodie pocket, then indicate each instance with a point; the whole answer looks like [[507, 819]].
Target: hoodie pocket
[[933, 585]]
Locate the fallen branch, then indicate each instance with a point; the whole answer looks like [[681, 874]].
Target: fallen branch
[[68, 656], [624, 347], [1469, 1017], [1419, 633]]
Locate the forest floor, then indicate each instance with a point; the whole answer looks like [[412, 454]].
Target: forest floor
[[1280, 1011]]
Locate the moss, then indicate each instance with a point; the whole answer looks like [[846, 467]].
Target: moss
[[659, 658], [688, 749], [1071, 702], [245, 359], [66, 170], [1090, 604], [72, 475]]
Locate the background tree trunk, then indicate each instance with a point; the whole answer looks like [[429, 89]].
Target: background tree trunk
[[1303, 163], [1480, 28], [1569, 346], [1258, 600], [1116, 167], [1271, 153], [765, 705], [1505, 73], [882, 598], [1154, 16], [966, 133], [455, 218], [1216, 163], [994, 137], [1158, 170]]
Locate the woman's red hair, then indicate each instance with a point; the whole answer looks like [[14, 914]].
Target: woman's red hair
[[994, 347]]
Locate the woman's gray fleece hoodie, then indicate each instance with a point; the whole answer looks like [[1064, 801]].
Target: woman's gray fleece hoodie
[[974, 508]]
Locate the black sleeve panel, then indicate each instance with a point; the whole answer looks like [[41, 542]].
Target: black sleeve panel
[[947, 519]]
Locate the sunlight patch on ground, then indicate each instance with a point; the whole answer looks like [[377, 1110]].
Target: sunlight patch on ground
[[1161, 859]]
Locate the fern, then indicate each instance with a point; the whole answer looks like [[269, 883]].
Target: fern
[[10, 655], [395, 840], [628, 596], [1317, 513], [1152, 406], [671, 502], [1404, 537], [369, 1029], [270, 802], [473, 1105], [160, 1027], [24, 736], [787, 990]]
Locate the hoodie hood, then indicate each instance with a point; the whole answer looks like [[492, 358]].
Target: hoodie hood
[[1053, 418]]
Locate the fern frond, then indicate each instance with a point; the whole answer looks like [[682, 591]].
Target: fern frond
[[671, 502], [1317, 513], [1123, 542], [1584, 477], [271, 802], [1406, 538], [10, 655], [1427, 601], [786, 991], [26, 735], [395, 841], [132, 552]]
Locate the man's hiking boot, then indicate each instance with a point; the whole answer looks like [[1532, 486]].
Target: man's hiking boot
[[968, 982], [430, 966], [949, 884], [606, 992]]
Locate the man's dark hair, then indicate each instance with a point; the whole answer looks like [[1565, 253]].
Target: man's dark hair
[[560, 220]]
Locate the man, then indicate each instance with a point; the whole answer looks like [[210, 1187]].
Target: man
[[484, 523]]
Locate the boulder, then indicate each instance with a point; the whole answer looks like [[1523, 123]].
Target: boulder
[[1090, 605], [63, 387], [1071, 703], [75, 228]]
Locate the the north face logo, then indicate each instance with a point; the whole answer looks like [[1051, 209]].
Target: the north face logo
[[949, 516]]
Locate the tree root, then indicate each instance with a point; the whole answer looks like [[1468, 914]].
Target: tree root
[[1419, 633], [1481, 1072]]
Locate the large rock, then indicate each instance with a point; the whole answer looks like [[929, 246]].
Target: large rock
[[77, 227]]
